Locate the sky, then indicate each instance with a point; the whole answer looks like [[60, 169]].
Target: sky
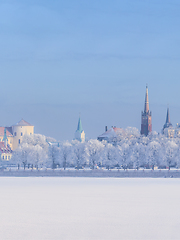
[[61, 59]]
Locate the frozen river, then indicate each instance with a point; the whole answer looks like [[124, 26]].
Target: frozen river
[[89, 208]]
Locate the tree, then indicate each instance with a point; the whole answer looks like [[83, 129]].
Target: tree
[[94, 150], [32, 151], [110, 156], [134, 155], [125, 155], [54, 155], [171, 151], [153, 153], [66, 154], [79, 154]]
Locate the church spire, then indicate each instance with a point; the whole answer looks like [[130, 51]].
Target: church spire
[[146, 106], [146, 124], [168, 122], [79, 127], [79, 134], [168, 116]]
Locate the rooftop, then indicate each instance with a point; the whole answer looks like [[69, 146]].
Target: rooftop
[[8, 133], [22, 122]]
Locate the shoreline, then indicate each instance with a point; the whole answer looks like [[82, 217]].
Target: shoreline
[[93, 173]]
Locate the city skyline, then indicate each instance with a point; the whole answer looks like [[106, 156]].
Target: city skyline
[[61, 58]]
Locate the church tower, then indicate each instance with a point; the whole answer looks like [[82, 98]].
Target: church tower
[[168, 129], [168, 122], [80, 134], [146, 125]]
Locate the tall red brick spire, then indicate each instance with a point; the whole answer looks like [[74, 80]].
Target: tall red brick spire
[[146, 125], [146, 106]]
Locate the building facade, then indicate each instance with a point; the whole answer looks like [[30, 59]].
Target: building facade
[[146, 117], [177, 130], [5, 152], [12, 136], [19, 130]]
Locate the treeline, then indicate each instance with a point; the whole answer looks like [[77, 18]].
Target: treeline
[[128, 150]]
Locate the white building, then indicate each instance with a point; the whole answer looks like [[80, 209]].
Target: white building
[[110, 134]]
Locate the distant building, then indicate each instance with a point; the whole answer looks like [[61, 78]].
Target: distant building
[[12, 136], [9, 136], [5, 149], [110, 134], [19, 130], [80, 134], [5, 152], [168, 129], [177, 130], [146, 124]]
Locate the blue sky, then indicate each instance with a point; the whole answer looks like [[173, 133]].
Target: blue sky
[[59, 58]]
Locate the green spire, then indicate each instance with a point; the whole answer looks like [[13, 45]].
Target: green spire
[[79, 127]]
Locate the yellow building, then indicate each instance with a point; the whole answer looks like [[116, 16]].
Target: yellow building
[[5, 152], [19, 130], [14, 134]]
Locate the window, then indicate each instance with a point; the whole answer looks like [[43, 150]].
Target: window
[[19, 141], [21, 133], [3, 157], [15, 134], [6, 157]]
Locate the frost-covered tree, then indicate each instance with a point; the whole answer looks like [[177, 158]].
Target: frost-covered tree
[[54, 156], [66, 158], [119, 158], [17, 157], [125, 155], [79, 154], [153, 153], [39, 156], [134, 155], [128, 150], [170, 153], [110, 156], [94, 151], [33, 151]]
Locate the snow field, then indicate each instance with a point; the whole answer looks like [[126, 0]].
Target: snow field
[[89, 208]]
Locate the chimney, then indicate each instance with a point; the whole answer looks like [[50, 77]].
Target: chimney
[[106, 128]]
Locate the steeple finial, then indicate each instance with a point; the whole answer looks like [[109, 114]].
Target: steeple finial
[[146, 106]]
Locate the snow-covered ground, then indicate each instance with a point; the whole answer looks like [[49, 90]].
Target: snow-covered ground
[[89, 208]]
